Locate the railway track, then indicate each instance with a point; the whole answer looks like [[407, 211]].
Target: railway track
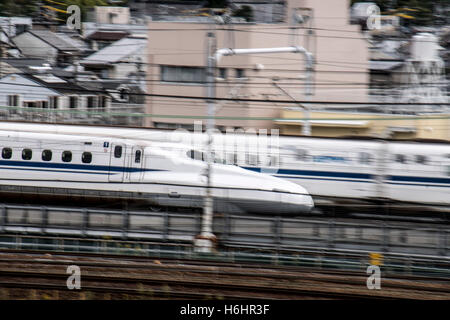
[[191, 279], [141, 261]]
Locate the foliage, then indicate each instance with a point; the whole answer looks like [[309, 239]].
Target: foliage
[[422, 12], [16, 8], [244, 12], [84, 5]]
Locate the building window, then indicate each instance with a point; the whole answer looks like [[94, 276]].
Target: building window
[[27, 154], [103, 100], [137, 156], [86, 157], [117, 151], [66, 156], [30, 104], [223, 73], [21, 28], [47, 155], [6, 153], [13, 100], [240, 73], [54, 102], [44, 104], [73, 102], [183, 74], [124, 95], [91, 102]]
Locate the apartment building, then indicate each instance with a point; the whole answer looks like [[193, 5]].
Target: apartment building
[[177, 62]]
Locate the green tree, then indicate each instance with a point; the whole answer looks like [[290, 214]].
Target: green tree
[[16, 8], [84, 5], [414, 12]]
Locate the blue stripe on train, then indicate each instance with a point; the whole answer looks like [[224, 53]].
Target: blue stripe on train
[[68, 168], [71, 166], [345, 176]]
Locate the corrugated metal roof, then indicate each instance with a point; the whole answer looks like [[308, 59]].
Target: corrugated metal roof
[[108, 35], [384, 65], [77, 43], [53, 39], [116, 51]]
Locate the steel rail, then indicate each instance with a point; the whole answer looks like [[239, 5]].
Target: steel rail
[[201, 284]]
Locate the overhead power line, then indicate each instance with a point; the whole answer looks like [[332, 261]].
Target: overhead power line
[[62, 87]]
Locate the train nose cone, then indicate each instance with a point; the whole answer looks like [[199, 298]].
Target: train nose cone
[[295, 198]]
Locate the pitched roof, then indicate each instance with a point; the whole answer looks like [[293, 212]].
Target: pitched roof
[[116, 51], [73, 41], [56, 83], [24, 63], [54, 40], [108, 35]]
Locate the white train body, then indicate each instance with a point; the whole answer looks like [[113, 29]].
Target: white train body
[[111, 170], [411, 172], [363, 169]]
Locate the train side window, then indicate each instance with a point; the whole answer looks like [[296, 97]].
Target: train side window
[[196, 155], [137, 156], [6, 153], [117, 151], [421, 159], [274, 161], [47, 155], [365, 158], [86, 157], [251, 159], [27, 154], [301, 155], [400, 158], [66, 156], [231, 158]]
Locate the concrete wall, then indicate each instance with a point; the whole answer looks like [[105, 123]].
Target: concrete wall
[[112, 15]]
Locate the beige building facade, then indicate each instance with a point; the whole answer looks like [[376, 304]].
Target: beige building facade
[[107, 14], [338, 124], [177, 66]]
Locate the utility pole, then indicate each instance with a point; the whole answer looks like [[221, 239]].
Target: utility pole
[[205, 241], [306, 128]]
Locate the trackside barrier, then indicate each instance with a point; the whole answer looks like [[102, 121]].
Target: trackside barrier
[[257, 232]]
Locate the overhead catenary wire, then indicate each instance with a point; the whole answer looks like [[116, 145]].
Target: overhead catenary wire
[[64, 87]]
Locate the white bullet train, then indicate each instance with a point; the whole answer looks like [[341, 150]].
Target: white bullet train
[[406, 172], [106, 171]]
